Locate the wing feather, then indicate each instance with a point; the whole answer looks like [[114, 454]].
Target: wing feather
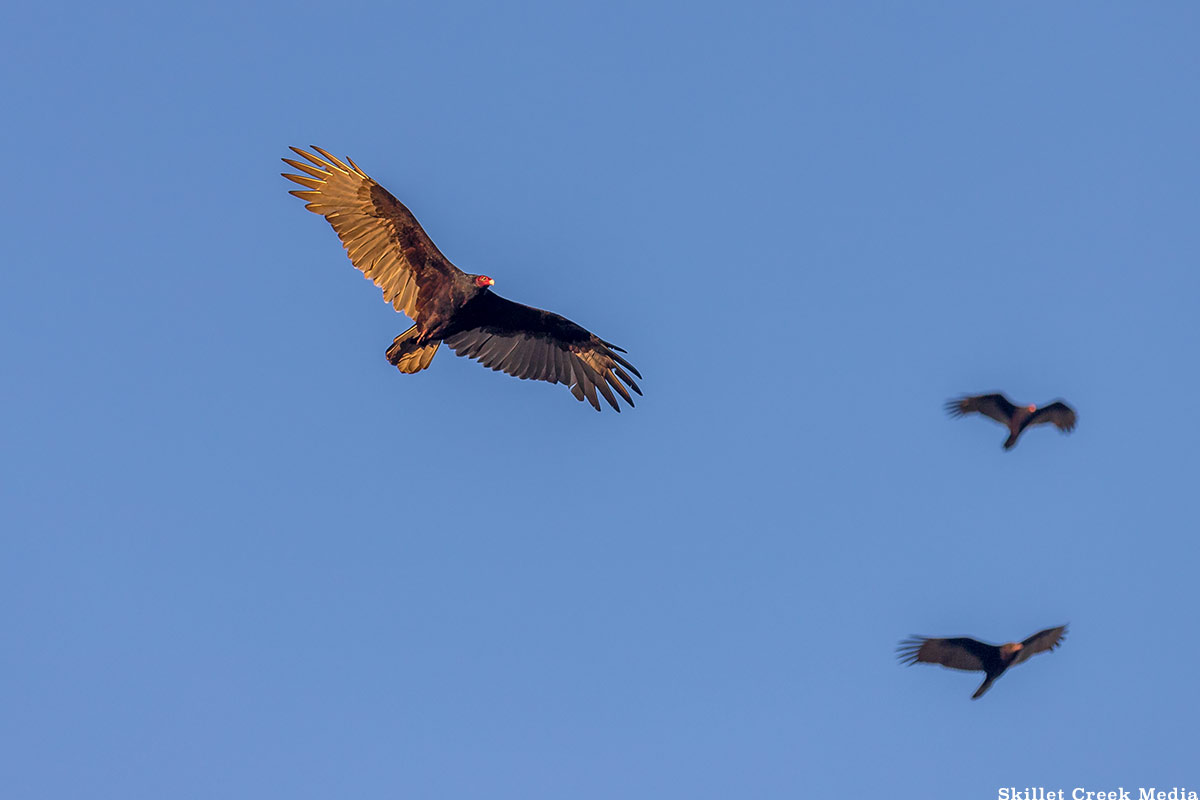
[[553, 365], [538, 345], [589, 386], [1058, 412], [632, 384], [602, 385], [576, 386], [995, 406], [1041, 642], [381, 236], [616, 384], [958, 653], [305, 168]]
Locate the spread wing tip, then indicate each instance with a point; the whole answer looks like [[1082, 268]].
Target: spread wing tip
[[327, 164], [957, 406], [909, 650]]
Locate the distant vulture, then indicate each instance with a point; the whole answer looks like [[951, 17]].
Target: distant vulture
[[385, 241], [1015, 418], [968, 654]]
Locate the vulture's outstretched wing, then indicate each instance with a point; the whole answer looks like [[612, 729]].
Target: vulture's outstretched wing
[[995, 406], [958, 653], [540, 345], [1041, 642], [381, 236], [1058, 412]]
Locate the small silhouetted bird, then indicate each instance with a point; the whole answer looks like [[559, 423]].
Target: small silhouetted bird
[[385, 241], [969, 654], [1015, 418]]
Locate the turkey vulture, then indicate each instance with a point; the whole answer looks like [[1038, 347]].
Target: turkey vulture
[[1015, 418], [968, 654], [385, 241]]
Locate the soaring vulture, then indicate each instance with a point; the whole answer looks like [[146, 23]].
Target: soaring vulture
[[1015, 418], [385, 241], [969, 654]]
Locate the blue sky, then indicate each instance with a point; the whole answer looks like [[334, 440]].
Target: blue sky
[[245, 557]]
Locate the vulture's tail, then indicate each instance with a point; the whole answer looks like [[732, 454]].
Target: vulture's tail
[[410, 355], [983, 687]]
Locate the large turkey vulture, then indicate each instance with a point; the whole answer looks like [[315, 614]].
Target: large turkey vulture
[[385, 241], [1015, 418], [969, 654]]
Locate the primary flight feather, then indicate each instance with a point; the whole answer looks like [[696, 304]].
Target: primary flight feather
[[385, 241]]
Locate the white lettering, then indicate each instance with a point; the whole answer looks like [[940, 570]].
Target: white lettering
[[1176, 793]]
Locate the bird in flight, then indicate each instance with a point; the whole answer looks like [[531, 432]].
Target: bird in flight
[[969, 654], [385, 241], [1015, 418]]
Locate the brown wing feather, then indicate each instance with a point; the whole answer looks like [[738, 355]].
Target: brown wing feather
[[1041, 642], [1058, 412], [996, 406], [381, 236], [587, 367], [959, 653]]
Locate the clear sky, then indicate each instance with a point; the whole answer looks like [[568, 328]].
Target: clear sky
[[243, 557]]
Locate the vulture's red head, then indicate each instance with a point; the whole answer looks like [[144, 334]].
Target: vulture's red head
[[1011, 649], [483, 281], [1031, 408]]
